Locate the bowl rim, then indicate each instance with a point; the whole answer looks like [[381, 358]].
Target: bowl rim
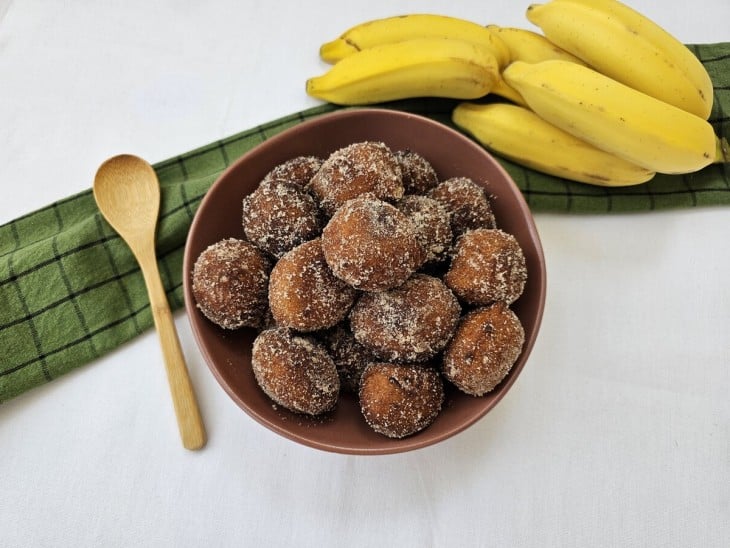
[[390, 446]]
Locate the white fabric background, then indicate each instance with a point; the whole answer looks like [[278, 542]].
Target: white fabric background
[[616, 434]]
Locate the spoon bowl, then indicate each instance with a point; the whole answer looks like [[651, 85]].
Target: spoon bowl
[[128, 194], [127, 191]]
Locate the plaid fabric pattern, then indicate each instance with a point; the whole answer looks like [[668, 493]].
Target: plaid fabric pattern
[[70, 289]]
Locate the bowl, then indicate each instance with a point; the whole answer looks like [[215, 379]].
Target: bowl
[[228, 353]]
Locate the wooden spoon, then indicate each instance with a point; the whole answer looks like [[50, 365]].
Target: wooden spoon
[[127, 192]]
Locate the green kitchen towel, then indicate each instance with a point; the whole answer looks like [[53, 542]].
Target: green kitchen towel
[[70, 289]]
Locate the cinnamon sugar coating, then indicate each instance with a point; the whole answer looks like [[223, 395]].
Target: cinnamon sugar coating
[[400, 400], [418, 174], [279, 215], [488, 265], [350, 357], [367, 167], [432, 223], [410, 323], [371, 245], [484, 348], [466, 202], [230, 283], [295, 371], [303, 292], [298, 170]]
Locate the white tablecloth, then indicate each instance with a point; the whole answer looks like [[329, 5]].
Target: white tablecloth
[[616, 434]]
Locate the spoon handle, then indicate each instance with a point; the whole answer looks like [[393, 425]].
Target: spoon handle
[[189, 420]]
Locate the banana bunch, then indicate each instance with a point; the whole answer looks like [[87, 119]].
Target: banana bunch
[[419, 55], [418, 67], [390, 30], [614, 117], [575, 107], [605, 33]]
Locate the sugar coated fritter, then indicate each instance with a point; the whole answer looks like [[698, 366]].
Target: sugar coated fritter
[[467, 202], [484, 348], [230, 283], [432, 223], [350, 357], [400, 400], [280, 215], [295, 371], [303, 292], [409, 323], [371, 245], [368, 167], [418, 174], [298, 170], [487, 265]]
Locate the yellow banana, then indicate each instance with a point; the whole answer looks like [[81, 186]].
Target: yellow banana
[[614, 117], [406, 27], [684, 60], [422, 67], [504, 90], [526, 45], [520, 135], [628, 48]]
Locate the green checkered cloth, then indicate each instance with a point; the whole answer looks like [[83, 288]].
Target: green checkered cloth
[[70, 289]]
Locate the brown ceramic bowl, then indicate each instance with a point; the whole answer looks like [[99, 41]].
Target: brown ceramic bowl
[[228, 353]]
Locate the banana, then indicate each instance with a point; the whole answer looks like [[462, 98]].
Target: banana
[[526, 45], [684, 60], [614, 117], [406, 27], [504, 90], [421, 67], [520, 135], [628, 47]]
